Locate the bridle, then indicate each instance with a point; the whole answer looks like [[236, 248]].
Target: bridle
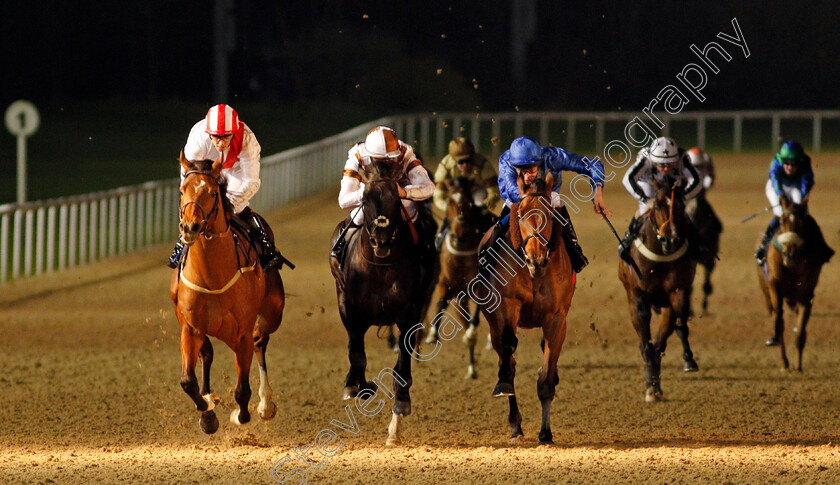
[[661, 233], [206, 216], [529, 236]]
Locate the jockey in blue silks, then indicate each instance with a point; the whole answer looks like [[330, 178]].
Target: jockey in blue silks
[[528, 160], [791, 175]]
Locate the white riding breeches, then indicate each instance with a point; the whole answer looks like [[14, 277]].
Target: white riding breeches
[[792, 193]]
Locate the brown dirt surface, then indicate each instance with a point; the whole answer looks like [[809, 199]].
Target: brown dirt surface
[[90, 370]]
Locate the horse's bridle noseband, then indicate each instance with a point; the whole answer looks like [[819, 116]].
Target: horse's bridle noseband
[[205, 215]]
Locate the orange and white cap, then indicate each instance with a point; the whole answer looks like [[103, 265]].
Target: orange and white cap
[[221, 120], [382, 142]]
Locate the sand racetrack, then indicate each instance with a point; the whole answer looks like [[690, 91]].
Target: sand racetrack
[[90, 370]]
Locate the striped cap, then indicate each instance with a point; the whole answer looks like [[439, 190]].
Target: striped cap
[[221, 120], [382, 142]]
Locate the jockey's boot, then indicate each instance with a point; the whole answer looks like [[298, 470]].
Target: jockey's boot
[[175, 257], [441, 235], [761, 252], [631, 234], [576, 256], [815, 234], [269, 256], [339, 249]]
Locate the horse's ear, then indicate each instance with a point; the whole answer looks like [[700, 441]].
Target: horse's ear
[[217, 167], [184, 162], [549, 182]]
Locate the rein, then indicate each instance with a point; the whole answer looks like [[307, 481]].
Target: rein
[[661, 258]]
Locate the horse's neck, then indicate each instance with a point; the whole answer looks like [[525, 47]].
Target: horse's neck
[[214, 257]]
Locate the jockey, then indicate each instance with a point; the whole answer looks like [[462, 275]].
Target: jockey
[[702, 163], [463, 161], [527, 159], [221, 133], [662, 157], [414, 184], [791, 175]]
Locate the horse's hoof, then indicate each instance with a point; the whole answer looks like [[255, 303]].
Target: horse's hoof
[[267, 412], [547, 442], [503, 389], [772, 342], [393, 441], [208, 422], [235, 419], [652, 395], [690, 365], [514, 436], [350, 392], [471, 373], [402, 408]]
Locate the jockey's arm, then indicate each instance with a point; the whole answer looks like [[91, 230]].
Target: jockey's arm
[[244, 176], [508, 189], [489, 180], [631, 177], [352, 188], [441, 194], [420, 186], [694, 183]]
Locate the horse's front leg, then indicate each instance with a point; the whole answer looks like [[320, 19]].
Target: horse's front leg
[[191, 344], [402, 380], [681, 302], [266, 408], [640, 315], [554, 334], [777, 302], [242, 393], [505, 343], [803, 315], [206, 355], [356, 380]]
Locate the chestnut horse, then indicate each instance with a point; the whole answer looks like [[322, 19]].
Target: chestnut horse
[[219, 291], [459, 258], [709, 227], [388, 278], [790, 275], [661, 252], [538, 297]]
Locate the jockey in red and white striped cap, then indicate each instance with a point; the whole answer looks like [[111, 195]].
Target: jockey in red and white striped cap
[[221, 133]]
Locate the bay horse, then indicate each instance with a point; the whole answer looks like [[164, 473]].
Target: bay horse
[[661, 252], [790, 275], [219, 291], [459, 259], [388, 278], [537, 298], [709, 228]]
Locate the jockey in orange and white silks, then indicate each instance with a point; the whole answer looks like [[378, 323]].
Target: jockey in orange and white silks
[[221, 133], [382, 143]]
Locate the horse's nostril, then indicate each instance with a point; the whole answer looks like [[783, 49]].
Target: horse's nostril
[[194, 227]]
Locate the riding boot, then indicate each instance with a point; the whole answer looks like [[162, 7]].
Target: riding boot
[[814, 233], [175, 258], [339, 249], [570, 239], [441, 235], [761, 252], [269, 256], [631, 234]]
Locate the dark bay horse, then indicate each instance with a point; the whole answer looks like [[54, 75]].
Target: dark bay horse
[[709, 227], [459, 259], [790, 275], [388, 279], [661, 252], [219, 291], [538, 297]]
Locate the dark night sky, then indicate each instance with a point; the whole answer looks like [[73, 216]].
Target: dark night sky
[[596, 55]]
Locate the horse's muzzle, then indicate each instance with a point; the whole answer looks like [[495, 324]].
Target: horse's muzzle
[[189, 232]]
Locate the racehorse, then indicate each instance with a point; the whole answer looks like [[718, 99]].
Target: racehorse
[[538, 297], [458, 258], [790, 275], [219, 290], [709, 228], [661, 253], [387, 278]]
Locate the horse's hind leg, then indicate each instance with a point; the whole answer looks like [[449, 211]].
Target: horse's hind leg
[[708, 289], [803, 314], [266, 408], [191, 344], [402, 385], [471, 339], [244, 353]]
